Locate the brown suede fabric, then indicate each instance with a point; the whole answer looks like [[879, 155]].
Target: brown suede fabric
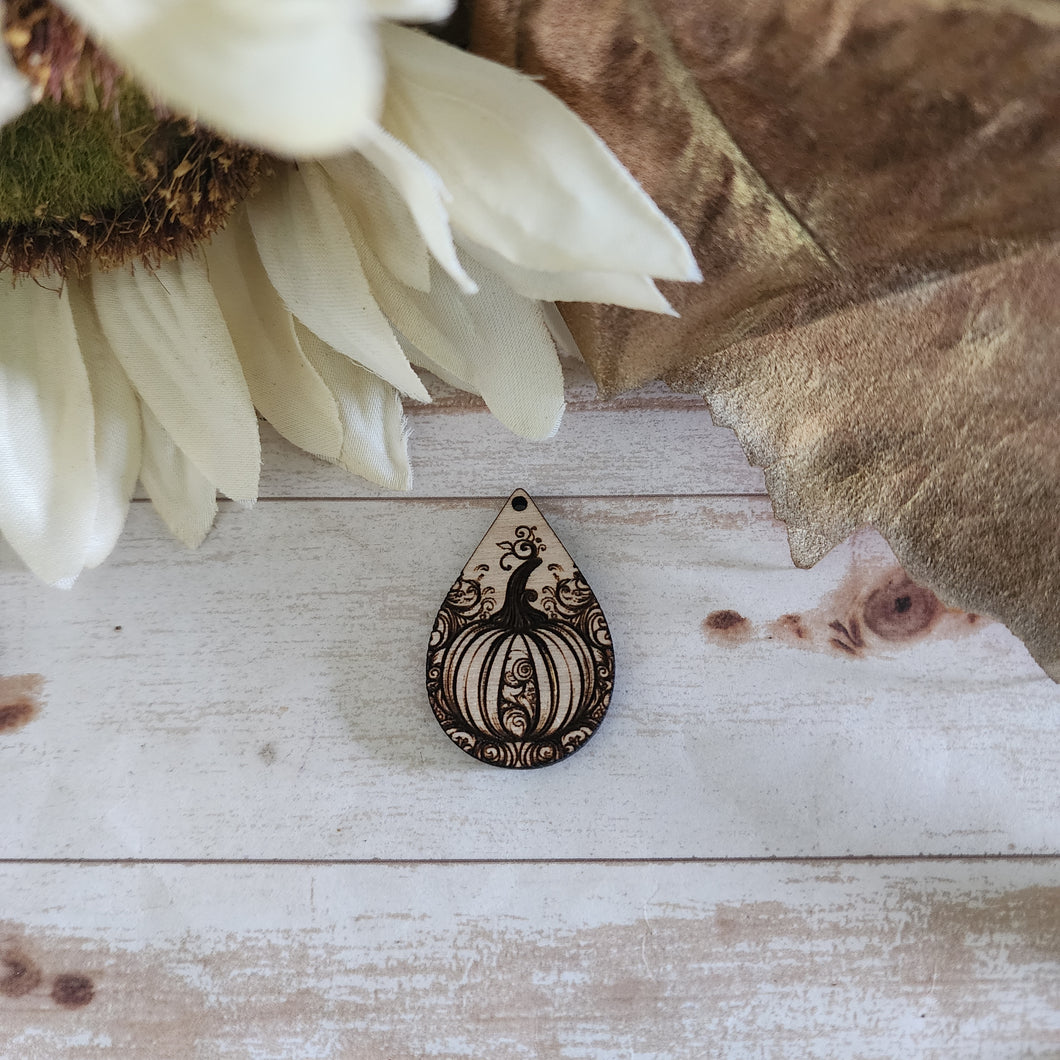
[[872, 189]]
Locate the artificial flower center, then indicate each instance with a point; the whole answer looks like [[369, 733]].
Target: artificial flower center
[[96, 173]]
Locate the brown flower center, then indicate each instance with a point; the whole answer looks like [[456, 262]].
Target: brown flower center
[[97, 173]]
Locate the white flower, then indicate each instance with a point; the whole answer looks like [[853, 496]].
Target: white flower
[[529, 180], [437, 244], [296, 77]]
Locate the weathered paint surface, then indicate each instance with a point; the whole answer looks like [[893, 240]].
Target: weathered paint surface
[[911, 958], [263, 698]]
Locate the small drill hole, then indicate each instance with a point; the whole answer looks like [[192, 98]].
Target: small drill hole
[[519, 504]]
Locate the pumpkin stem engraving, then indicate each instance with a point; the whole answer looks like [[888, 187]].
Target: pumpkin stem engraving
[[516, 613]]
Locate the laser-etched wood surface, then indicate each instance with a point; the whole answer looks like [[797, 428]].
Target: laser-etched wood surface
[[233, 828], [520, 662]]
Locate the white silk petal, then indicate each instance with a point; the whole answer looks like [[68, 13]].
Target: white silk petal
[[167, 330], [47, 467], [384, 217], [495, 343], [611, 288], [311, 261], [428, 364], [528, 178], [434, 321], [424, 195], [515, 366], [295, 76], [283, 385], [375, 442], [412, 10], [14, 88], [117, 426], [184, 498]]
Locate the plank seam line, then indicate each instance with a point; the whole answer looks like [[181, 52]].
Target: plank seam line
[[498, 498], [843, 859], [693, 404]]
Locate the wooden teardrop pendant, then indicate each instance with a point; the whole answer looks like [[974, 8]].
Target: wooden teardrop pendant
[[520, 665]]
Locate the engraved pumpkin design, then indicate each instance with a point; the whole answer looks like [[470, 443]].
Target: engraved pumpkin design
[[525, 683]]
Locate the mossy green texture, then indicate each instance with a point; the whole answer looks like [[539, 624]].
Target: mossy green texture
[[57, 161]]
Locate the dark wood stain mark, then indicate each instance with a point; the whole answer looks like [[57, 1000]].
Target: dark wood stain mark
[[21, 975], [727, 626], [791, 628], [15, 715], [20, 698], [873, 610], [899, 609], [73, 991], [848, 636]]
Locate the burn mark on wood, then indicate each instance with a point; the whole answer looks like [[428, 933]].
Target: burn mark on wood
[[20, 698], [21, 976], [73, 991]]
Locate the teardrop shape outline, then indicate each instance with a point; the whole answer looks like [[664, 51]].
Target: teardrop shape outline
[[520, 662]]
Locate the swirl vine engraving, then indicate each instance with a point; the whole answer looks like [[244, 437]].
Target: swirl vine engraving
[[520, 676]]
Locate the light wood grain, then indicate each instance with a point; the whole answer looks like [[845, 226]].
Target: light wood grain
[[581, 962], [652, 441], [264, 697]]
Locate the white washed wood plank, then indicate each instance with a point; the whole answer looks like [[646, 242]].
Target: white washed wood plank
[[597, 452], [582, 962], [264, 698], [652, 441]]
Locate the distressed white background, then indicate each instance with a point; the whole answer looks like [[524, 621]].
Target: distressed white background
[[230, 816]]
